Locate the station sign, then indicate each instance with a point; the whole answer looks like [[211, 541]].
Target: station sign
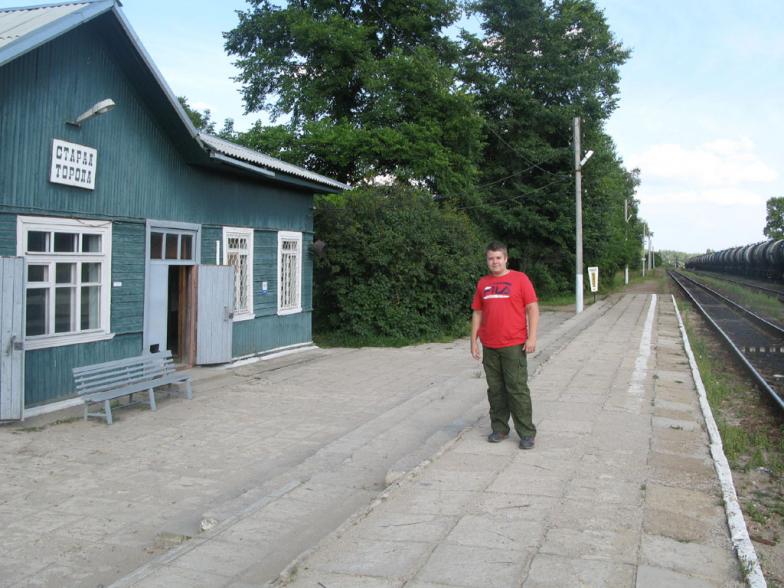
[[73, 164], [593, 278]]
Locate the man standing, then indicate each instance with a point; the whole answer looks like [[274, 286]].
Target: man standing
[[506, 315]]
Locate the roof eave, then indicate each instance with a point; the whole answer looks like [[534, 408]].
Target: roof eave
[[275, 176]]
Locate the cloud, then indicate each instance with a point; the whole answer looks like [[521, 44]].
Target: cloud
[[199, 105], [710, 196], [715, 164]]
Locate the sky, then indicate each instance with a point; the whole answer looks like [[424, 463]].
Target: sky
[[701, 108]]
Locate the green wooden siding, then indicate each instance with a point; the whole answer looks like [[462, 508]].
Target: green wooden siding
[[128, 252], [48, 371], [141, 172], [210, 234], [270, 332], [7, 234], [147, 168]]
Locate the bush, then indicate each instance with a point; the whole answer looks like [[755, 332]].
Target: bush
[[394, 264]]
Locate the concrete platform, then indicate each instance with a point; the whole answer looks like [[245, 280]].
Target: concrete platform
[[268, 458], [620, 490]]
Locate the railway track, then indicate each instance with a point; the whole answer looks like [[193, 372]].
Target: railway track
[[757, 342], [767, 289]]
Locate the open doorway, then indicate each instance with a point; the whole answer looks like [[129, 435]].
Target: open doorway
[[180, 315], [170, 289]]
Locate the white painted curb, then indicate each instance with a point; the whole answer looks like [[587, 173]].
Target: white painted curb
[[738, 532]]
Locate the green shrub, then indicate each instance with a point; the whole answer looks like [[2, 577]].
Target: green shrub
[[394, 263]]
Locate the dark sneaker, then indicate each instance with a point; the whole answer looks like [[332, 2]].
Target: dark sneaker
[[496, 437], [527, 443]]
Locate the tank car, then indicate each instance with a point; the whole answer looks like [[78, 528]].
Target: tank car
[[762, 260]]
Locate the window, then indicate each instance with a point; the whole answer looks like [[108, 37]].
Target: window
[[238, 252], [68, 269], [289, 272], [171, 245]]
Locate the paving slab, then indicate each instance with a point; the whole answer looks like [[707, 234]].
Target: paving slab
[[620, 489], [268, 458]]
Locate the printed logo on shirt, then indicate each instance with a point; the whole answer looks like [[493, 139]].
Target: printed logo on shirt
[[497, 290]]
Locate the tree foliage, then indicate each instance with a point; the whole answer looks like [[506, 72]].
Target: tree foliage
[[774, 221], [361, 90], [536, 67], [368, 89], [394, 264], [203, 122]]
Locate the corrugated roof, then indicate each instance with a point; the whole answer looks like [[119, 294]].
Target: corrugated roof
[[17, 22], [22, 29], [249, 155]]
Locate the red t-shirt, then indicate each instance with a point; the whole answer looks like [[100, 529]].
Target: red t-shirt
[[502, 300]]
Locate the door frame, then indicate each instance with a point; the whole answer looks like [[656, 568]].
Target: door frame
[[163, 225]]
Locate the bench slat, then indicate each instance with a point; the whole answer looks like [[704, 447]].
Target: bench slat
[[106, 381], [133, 388], [120, 375], [163, 355]]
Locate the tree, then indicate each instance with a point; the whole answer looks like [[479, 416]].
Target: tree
[[394, 263], [537, 66], [368, 89], [203, 122], [774, 221]]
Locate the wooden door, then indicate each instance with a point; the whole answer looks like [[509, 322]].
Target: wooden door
[[214, 314], [11, 338], [157, 306]]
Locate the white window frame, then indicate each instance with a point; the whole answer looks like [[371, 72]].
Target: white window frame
[[297, 306], [247, 234], [25, 224]]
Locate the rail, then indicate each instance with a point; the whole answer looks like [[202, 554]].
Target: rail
[[778, 292], [758, 377]]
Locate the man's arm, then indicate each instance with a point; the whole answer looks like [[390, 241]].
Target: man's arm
[[532, 319], [476, 321]]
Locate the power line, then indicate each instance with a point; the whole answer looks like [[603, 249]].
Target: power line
[[524, 157], [559, 180], [517, 173]]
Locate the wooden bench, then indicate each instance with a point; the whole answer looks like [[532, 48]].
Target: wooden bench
[[104, 382]]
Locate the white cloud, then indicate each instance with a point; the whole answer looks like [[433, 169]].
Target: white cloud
[[199, 105], [708, 196], [718, 163]]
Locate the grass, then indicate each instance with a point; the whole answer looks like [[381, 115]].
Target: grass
[[745, 446], [757, 301], [557, 300]]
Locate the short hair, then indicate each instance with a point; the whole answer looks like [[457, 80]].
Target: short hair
[[496, 246]]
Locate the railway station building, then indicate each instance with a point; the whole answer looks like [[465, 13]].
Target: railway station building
[[123, 229]]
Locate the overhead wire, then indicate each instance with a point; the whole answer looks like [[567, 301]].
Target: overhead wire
[[517, 152], [559, 180]]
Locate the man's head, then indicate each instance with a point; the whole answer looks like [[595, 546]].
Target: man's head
[[497, 257]]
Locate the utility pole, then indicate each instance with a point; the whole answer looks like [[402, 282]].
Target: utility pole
[[578, 197], [626, 217], [650, 250], [644, 253]]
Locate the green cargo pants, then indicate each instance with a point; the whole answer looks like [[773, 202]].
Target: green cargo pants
[[506, 370]]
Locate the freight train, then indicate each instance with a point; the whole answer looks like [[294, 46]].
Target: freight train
[[763, 260]]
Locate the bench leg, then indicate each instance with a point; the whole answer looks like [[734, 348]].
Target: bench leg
[[151, 394], [188, 390], [86, 405], [107, 411], [130, 398]]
